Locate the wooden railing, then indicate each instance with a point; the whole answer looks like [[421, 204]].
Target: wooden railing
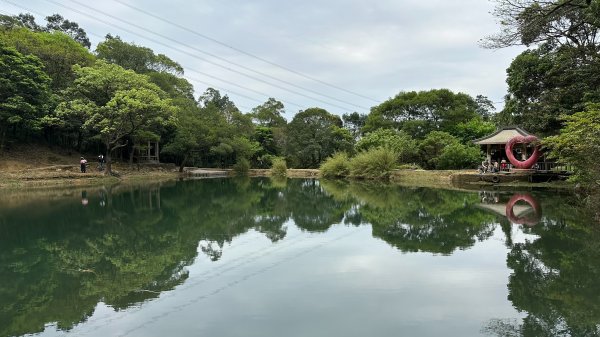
[[553, 167]]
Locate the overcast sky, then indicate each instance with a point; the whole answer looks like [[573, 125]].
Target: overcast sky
[[373, 48]]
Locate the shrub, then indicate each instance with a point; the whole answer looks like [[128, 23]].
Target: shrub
[[399, 141], [242, 166], [459, 156], [433, 146], [336, 166], [279, 167], [373, 164]]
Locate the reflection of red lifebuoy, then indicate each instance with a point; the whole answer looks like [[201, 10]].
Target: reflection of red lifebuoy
[[527, 164], [530, 220]]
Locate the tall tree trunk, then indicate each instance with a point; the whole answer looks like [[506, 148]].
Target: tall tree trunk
[[108, 170], [183, 163], [131, 152]]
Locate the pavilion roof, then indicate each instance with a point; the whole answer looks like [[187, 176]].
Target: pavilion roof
[[501, 136]]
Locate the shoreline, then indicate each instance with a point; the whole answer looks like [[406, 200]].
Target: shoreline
[[52, 178]]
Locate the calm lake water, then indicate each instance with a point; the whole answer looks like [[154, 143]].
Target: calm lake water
[[312, 258]]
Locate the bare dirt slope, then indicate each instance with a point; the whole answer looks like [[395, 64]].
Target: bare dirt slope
[[26, 157]]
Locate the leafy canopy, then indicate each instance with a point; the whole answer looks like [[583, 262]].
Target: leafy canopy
[[25, 90], [419, 113], [313, 135]]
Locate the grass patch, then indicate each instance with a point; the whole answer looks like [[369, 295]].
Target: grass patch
[[373, 164], [279, 168], [337, 166]]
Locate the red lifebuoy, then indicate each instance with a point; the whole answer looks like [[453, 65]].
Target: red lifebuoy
[[527, 164], [529, 221]]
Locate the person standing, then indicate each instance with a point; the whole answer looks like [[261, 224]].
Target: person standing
[[83, 164], [101, 163]]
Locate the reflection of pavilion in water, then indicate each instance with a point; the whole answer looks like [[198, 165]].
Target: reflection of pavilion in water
[[522, 209]]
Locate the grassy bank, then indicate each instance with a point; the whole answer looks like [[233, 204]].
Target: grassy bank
[[444, 179], [424, 178], [45, 179], [38, 167], [32, 166]]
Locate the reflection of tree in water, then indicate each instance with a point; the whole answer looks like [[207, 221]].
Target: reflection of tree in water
[[419, 219], [555, 278], [129, 244], [311, 208], [59, 260]]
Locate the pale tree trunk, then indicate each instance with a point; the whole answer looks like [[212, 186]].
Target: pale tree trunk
[[108, 158], [108, 170]]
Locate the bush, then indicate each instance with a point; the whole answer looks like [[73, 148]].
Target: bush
[[399, 141], [458, 156], [279, 168], [433, 146], [373, 164], [242, 166], [336, 166]]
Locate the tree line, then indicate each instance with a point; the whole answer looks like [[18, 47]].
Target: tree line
[[121, 96]]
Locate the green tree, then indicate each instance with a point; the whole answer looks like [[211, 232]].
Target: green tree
[[432, 147], [579, 143], [313, 135], [270, 131], [559, 22], [485, 107], [558, 76], [547, 82], [22, 20], [354, 122], [473, 129], [56, 23], [269, 114], [458, 156], [137, 58], [57, 51], [191, 134], [25, 92], [115, 103], [269, 148], [401, 143], [418, 113]]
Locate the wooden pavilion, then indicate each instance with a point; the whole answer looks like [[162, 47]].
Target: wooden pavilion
[[495, 144]]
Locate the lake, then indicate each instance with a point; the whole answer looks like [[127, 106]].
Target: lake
[[261, 257]]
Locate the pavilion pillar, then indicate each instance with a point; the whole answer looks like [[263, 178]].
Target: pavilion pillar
[[489, 153], [157, 153]]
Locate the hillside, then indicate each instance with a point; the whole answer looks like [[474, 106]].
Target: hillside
[[27, 157]]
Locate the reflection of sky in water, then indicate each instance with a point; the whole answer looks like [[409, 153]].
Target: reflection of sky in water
[[338, 283], [284, 264]]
